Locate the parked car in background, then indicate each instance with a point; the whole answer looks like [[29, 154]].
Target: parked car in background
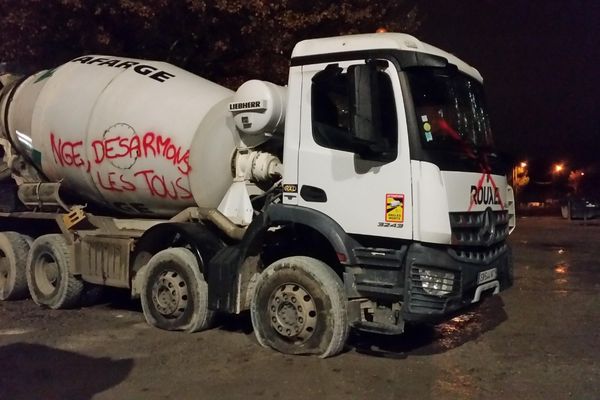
[[580, 208]]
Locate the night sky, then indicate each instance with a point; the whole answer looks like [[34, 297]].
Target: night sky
[[540, 61]]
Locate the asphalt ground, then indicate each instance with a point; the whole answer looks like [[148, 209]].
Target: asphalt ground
[[538, 340]]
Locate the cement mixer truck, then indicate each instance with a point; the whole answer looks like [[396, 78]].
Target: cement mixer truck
[[365, 194]]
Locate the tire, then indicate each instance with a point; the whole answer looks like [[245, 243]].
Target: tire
[[299, 307], [28, 239], [13, 261], [49, 278], [174, 293]]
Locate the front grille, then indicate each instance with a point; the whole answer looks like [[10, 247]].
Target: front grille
[[479, 229], [480, 255], [479, 237]]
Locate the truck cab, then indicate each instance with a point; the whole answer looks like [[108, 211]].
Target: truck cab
[[389, 139]]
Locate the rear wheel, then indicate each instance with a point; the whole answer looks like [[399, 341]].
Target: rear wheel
[[299, 307], [174, 293], [51, 283], [14, 248]]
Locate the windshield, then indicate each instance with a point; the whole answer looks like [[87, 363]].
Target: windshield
[[450, 110]]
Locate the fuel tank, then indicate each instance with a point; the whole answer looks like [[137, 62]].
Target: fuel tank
[[118, 132]]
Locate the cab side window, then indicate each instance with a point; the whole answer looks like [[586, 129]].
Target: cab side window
[[333, 102]]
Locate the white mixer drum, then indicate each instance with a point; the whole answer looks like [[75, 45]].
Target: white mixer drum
[[118, 131]]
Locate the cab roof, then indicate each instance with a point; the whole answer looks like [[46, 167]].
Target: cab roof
[[377, 41]]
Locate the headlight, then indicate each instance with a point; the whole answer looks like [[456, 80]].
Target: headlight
[[436, 283]]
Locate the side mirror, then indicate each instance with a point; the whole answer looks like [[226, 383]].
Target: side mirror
[[363, 107], [366, 116]]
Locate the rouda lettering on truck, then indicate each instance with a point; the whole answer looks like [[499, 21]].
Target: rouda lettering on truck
[[286, 202], [485, 195]]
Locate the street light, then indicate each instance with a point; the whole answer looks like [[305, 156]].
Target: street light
[[520, 176], [558, 168]]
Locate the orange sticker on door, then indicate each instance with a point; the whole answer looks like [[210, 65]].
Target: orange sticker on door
[[394, 207]]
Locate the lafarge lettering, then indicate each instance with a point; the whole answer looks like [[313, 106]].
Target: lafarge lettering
[[142, 69]]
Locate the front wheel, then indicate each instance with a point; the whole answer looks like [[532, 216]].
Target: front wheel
[[174, 293], [299, 307]]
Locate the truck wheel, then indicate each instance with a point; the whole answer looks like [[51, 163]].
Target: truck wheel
[[13, 257], [51, 283], [174, 293], [299, 307]]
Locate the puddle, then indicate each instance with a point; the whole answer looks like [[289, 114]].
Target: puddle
[[554, 248], [12, 332]]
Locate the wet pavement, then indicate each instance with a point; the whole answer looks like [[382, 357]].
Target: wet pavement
[[538, 340]]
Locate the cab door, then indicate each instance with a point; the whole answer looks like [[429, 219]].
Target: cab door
[[353, 159]]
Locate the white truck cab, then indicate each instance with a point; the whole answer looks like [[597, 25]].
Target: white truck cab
[[390, 139]]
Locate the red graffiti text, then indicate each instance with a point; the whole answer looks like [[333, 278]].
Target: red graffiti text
[[66, 152], [115, 182], [162, 187], [146, 146]]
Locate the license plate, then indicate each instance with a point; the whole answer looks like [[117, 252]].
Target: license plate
[[487, 275]]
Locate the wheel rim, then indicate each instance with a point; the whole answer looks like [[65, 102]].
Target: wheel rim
[[293, 312], [170, 294], [46, 274]]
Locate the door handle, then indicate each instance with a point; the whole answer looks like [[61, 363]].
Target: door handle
[[313, 194]]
